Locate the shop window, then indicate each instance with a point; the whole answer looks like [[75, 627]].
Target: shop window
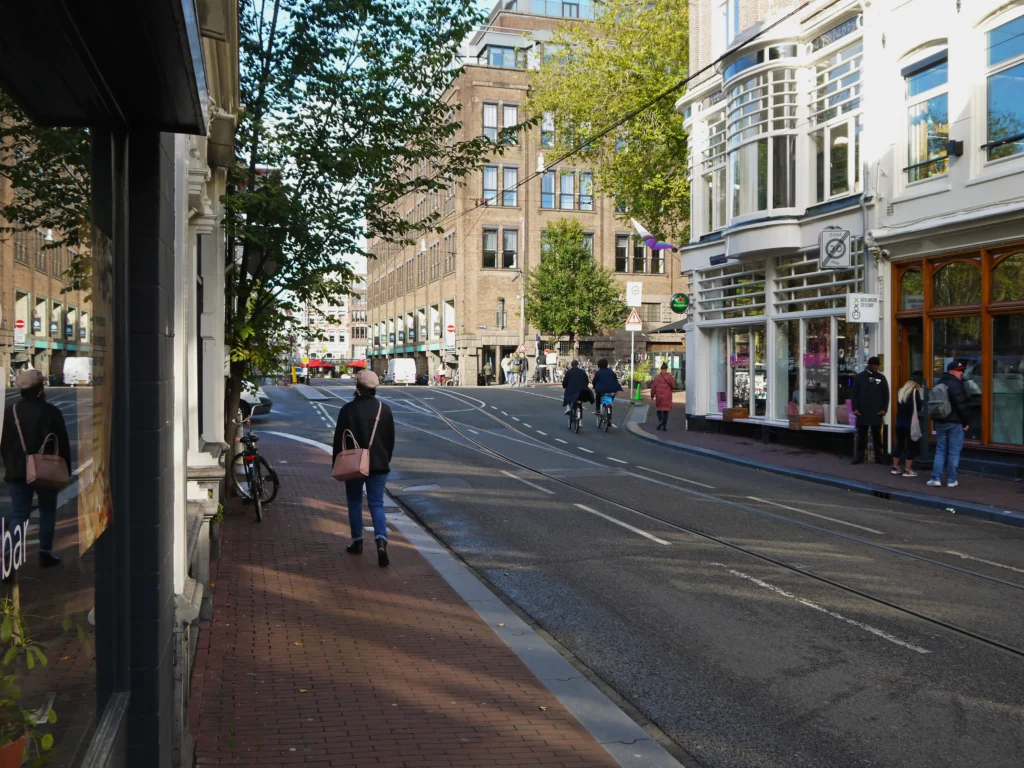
[[846, 369], [787, 369], [718, 358], [959, 338], [957, 284], [927, 117], [1008, 379], [1006, 90], [739, 367], [912, 290], [1008, 279], [817, 363]]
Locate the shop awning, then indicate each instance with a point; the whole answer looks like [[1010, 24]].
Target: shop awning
[[676, 327], [106, 63], [314, 364], [356, 363]]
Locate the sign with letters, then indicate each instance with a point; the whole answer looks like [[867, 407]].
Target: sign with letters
[[834, 251], [862, 308]]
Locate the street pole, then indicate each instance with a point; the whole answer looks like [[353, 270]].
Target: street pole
[[632, 358]]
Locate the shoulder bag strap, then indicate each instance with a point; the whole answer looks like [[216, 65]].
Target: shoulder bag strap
[[380, 407], [17, 423]]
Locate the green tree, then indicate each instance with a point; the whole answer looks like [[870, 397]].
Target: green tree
[[48, 173], [569, 294], [346, 114], [600, 72]]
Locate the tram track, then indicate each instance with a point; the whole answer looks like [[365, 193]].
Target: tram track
[[747, 551]]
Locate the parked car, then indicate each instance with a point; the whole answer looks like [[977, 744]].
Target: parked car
[[255, 403], [56, 380], [422, 380]]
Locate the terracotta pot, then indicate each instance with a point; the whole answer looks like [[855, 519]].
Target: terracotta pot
[[12, 754]]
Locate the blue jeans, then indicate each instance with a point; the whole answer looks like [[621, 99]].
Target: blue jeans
[[375, 498], [950, 441], [21, 500]]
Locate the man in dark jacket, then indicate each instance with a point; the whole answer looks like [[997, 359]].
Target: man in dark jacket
[[372, 426], [576, 386], [870, 403], [38, 419], [605, 383], [950, 430]]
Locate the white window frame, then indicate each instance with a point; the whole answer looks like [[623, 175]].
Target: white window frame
[[996, 69], [852, 120], [915, 101], [490, 110]]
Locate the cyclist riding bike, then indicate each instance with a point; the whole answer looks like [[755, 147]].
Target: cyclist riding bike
[[576, 387], [605, 383]]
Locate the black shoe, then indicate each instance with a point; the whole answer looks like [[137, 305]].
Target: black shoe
[[46, 560], [355, 548], [382, 553]]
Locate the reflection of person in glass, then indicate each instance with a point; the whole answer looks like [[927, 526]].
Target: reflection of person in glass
[[870, 402], [39, 420]]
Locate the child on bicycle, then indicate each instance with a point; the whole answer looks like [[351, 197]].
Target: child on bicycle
[[605, 383]]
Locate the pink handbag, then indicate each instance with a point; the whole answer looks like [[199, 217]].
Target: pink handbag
[[43, 470], [354, 463]]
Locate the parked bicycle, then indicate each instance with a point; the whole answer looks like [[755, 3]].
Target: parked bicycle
[[604, 419], [453, 380], [251, 474]]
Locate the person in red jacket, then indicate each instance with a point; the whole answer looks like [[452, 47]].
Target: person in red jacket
[[661, 391]]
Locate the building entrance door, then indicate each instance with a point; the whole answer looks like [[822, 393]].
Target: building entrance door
[[910, 338]]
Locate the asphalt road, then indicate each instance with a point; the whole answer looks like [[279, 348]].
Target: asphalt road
[[756, 619]]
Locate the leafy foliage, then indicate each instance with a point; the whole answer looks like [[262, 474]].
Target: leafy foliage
[[19, 648], [346, 114], [568, 294], [597, 73]]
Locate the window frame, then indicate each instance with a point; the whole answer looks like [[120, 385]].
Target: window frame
[[622, 241], [931, 58], [586, 200], [509, 189], [490, 132], [496, 232], [563, 195], [550, 196], [992, 70]]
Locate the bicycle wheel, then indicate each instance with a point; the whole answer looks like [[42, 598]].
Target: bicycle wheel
[[270, 484], [572, 416], [579, 418], [240, 476], [257, 488], [607, 418]]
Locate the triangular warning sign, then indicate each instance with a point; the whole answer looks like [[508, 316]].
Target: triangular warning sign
[[633, 319]]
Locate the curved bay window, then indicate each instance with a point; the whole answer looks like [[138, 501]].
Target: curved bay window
[[761, 124], [970, 308]]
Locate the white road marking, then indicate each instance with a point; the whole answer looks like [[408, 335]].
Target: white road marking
[[473, 431], [803, 601], [612, 458], [560, 440], [514, 419], [585, 450], [676, 477], [504, 414], [527, 482], [527, 425], [494, 407], [611, 519], [986, 562], [542, 433], [815, 514], [457, 396]]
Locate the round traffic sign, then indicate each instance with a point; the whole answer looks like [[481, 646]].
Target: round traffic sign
[[451, 329], [19, 324], [680, 303]]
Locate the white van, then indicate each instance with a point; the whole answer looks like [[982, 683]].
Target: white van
[[401, 370], [78, 370]]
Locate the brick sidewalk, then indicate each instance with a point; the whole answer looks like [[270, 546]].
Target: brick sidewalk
[[318, 658]]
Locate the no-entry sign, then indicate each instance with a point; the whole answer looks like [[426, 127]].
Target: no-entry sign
[[451, 329], [19, 324]]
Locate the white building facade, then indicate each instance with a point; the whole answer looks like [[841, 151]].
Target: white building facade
[[901, 123]]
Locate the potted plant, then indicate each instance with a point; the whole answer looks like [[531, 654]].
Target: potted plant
[[17, 724]]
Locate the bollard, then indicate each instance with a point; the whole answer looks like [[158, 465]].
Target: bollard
[[636, 397]]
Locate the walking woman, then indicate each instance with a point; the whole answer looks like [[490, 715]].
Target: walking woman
[[37, 421], [909, 407], [372, 427], [661, 391]]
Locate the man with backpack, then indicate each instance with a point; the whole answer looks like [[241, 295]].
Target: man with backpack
[[870, 402], [951, 416]]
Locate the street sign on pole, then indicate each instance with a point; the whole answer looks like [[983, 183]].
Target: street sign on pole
[[834, 250], [634, 294], [522, 349], [862, 308], [633, 322]]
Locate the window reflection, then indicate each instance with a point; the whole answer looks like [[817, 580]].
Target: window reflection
[[912, 290], [1008, 279], [959, 338], [957, 284], [1008, 379], [818, 368]]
